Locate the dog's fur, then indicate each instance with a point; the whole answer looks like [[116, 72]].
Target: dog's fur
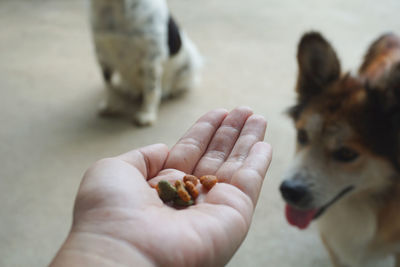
[[348, 151], [139, 43]]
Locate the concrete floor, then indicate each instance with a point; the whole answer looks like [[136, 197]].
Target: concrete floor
[[50, 88]]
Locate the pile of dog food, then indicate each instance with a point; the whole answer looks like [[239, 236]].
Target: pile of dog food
[[183, 193]]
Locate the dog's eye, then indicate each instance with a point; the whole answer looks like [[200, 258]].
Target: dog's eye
[[345, 154], [302, 137]]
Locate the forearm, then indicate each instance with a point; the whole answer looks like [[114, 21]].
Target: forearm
[[86, 249]]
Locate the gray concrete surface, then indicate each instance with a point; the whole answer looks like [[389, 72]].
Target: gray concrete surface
[[50, 87]]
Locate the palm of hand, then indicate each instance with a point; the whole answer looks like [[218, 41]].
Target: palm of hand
[[115, 198]]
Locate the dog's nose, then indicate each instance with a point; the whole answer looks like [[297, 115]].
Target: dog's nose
[[294, 192]]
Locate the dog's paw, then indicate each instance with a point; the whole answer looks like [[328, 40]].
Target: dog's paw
[[145, 118]]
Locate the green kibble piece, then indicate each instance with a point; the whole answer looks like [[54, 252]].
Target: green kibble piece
[[166, 191], [179, 202]]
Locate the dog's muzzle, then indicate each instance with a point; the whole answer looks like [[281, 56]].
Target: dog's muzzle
[[296, 193]]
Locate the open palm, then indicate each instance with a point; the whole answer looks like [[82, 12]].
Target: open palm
[[116, 198]]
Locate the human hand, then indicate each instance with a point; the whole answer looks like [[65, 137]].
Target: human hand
[[119, 218]]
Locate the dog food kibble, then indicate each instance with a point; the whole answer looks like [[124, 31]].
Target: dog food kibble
[[174, 195], [191, 188], [180, 203], [190, 178], [182, 192], [166, 191], [208, 181]]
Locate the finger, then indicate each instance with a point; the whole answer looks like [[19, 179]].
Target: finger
[[242, 193], [148, 160], [252, 132], [223, 141], [191, 147], [250, 176]]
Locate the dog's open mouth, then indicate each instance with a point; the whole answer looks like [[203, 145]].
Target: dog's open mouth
[[303, 218]]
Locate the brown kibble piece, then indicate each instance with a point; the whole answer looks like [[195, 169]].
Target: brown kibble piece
[[191, 188], [208, 181], [180, 189], [191, 178]]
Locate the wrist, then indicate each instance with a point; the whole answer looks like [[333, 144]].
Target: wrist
[[89, 249]]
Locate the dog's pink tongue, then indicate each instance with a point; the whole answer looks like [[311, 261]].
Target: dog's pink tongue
[[299, 218]]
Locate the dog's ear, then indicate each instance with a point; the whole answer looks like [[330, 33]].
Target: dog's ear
[[318, 65], [379, 58], [386, 95], [393, 107], [392, 88], [393, 82], [381, 115]]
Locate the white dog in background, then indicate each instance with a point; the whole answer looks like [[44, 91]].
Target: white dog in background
[[139, 42]]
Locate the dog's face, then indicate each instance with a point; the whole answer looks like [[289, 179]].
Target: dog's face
[[347, 130]]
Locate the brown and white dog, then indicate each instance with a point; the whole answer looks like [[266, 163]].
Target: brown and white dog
[[346, 171]]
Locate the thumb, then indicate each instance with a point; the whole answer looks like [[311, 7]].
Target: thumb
[[149, 160]]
